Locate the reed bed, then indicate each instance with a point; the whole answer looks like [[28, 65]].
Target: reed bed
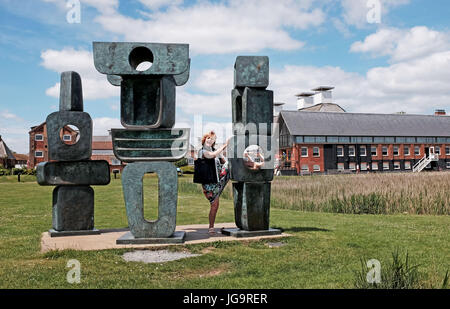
[[422, 193]]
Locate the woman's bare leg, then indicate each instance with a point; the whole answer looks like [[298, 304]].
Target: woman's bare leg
[[213, 212]]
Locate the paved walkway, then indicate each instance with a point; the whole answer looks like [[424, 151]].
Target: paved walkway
[[195, 234]]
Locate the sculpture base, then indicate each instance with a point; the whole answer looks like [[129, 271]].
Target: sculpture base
[[242, 233], [128, 239], [54, 233]]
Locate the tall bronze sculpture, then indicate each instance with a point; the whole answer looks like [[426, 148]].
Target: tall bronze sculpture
[[251, 150], [70, 168], [149, 142]]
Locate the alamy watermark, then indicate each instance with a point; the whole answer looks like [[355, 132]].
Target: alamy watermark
[[374, 273], [374, 14], [73, 15], [74, 274]]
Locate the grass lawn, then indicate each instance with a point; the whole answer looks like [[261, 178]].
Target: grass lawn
[[324, 251]]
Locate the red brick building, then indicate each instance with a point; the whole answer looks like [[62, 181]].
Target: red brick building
[[101, 147]]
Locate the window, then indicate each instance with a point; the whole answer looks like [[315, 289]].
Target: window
[[385, 151], [362, 151], [421, 140], [406, 151], [373, 151], [396, 165], [440, 139], [351, 151], [396, 151], [316, 168], [378, 139], [67, 138], [299, 139], [305, 168], [321, 139], [340, 151], [410, 139], [447, 150], [385, 165], [39, 154], [309, 139], [363, 166], [400, 140], [332, 139], [407, 165], [374, 166], [367, 139], [316, 152], [352, 166], [389, 140], [39, 137], [115, 162], [304, 151], [341, 166], [417, 150], [448, 164], [344, 139], [437, 150]]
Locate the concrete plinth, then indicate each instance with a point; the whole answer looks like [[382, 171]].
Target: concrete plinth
[[129, 239], [54, 233], [235, 232]]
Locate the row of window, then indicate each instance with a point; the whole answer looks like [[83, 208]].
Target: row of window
[[40, 137], [373, 151], [385, 151], [365, 166], [374, 166], [370, 139]]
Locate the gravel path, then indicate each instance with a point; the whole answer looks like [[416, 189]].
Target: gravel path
[[161, 256]]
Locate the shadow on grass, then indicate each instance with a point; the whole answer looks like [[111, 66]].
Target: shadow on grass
[[305, 229]]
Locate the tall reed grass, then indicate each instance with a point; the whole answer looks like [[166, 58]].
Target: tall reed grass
[[422, 193]]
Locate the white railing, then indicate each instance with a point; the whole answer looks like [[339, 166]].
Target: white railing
[[419, 166]]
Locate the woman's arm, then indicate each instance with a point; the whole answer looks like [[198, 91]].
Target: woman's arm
[[213, 154]]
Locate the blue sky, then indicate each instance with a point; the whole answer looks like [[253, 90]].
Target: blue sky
[[401, 63]]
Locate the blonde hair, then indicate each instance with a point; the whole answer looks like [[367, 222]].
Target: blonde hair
[[208, 135]]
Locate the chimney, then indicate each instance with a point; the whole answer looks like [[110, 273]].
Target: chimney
[[305, 99], [277, 108], [440, 112], [323, 95]]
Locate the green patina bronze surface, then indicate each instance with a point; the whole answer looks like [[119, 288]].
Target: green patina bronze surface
[[117, 58], [147, 103], [251, 71], [71, 93], [150, 145], [252, 117], [94, 173], [73, 208], [251, 205], [132, 184], [252, 108]]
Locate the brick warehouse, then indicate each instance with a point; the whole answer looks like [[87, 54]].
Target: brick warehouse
[[326, 141], [332, 140]]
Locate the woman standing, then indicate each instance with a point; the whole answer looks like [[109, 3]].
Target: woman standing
[[212, 191]]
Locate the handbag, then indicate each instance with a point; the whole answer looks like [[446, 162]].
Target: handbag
[[205, 171]]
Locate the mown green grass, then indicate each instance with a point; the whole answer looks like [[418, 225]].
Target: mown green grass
[[324, 251]]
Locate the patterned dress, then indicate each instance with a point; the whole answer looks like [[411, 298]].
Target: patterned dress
[[213, 190]]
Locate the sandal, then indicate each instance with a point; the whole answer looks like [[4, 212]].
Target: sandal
[[212, 232]]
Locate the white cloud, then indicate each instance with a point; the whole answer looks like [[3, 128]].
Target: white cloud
[[355, 11], [219, 28], [157, 4], [95, 85], [403, 44], [102, 125]]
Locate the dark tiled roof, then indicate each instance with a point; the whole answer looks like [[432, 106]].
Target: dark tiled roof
[[359, 124]]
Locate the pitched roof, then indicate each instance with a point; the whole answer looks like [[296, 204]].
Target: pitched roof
[[360, 124], [5, 152], [323, 107]]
